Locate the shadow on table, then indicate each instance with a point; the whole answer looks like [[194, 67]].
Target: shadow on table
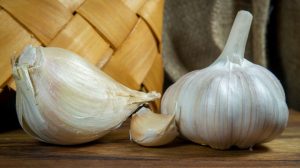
[[195, 148]]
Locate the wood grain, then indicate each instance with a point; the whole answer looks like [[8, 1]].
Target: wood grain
[[134, 5], [114, 17], [17, 149], [150, 12], [52, 16], [136, 55], [72, 5], [88, 44], [154, 78]]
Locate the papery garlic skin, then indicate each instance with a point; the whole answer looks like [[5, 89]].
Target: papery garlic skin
[[152, 129], [63, 99], [233, 102]]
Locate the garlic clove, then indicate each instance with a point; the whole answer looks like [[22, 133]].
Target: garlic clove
[[63, 99], [151, 129], [232, 102]]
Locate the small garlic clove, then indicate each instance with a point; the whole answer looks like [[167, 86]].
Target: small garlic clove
[[63, 99], [152, 129]]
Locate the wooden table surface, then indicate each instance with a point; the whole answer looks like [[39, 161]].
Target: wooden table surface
[[17, 149]]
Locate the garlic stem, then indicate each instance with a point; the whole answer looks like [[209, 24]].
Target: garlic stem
[[140, 97], [235, 46]]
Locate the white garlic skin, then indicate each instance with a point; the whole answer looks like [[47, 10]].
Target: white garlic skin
[[151, 129], [233, 102], [63, 99], [223, 106]]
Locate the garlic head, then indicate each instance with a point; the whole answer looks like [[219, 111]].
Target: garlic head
[[233, 102], [63, 99], [151, 129]]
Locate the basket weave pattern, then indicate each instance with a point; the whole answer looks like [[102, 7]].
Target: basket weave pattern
[[122, 37]]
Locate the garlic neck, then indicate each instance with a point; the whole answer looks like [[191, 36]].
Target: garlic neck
[[235, 46]]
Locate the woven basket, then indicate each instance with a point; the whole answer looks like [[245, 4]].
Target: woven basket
[[122, 37]]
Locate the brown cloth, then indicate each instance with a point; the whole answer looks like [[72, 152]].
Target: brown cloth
[[195, 32], [288, 47]]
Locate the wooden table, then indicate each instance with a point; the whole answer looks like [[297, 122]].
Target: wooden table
[[17, 149]]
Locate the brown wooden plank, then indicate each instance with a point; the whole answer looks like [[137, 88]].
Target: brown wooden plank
[[17, 149], [125, 162]]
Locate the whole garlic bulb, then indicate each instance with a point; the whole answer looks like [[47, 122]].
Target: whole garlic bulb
[[233, 102], [151, 129], [62, 99]]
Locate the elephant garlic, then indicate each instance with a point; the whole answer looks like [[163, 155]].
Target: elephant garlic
[[233, 102], [63, 99], [152, 129]]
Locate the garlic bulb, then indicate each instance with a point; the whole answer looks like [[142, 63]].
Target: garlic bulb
[[233, 102], [151, 129], [62, 99]]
